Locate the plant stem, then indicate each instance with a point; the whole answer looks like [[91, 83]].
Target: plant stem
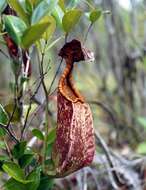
[[58, 69], [88, 30], [89, 4], [47, 123], [8, 149]]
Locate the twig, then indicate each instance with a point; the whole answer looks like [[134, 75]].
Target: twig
[[7, 127], [86, 35], [38, 78], [25, 122], [102, 142], [66, 36], [54, 42], [47, 123], [1, 51], [105, 108], [29, 108], [113, 175], [8, 149], [31, 100], [9, 133], [54, 78], [89, 4], [12, 115]]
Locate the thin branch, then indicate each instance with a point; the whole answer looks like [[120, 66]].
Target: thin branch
[[89, 4], [1, 51], [47, 123], [12, 115], [113, 175], [31, 100], [26, 119], [88, 30], [103, 144], [9, 133], [7, 127], [54, 78], [29, 109], [8, 149], [105, 108]]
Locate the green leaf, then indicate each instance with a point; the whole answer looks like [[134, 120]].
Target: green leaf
[[16, 5], [3, 4], [51, 136], [3, 116], [45, 183], [15, 27], [44, 8], [2, 132], [95, 15], [34, 176], [10, 108], [58, 15], [34, 33], [51, 29], [2, 145], [142, 121], [29, 7], [61, 4], [19, 149], [25, 160], [12, 184], [14, 171], [37, 133], [54, 42], [141, 149], [70, 19], [4, 158], [23, 5], [49, 149], [35, 2]]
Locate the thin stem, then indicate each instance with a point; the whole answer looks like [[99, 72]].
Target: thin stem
[[54, 42], [105, 108], [113, 174], [8, 149], [29, 109], [9, 133], [1, 51], [47, 124], [7, 127], [26, 119], [89, 4], [12, 115], [66, 36], [88, 30], [54, 78]]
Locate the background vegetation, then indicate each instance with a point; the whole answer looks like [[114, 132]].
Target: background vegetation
[[114, 85]]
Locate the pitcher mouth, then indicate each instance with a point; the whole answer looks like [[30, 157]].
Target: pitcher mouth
[[74, 51]]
